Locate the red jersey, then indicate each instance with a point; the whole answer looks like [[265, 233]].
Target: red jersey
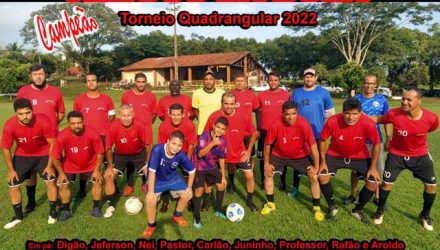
[[271, 103], [245, 101], [80, 152], [168, 100], [239, 126], [47, 101], [349, 141], [31, 140], [128, 141], [95, 111], [186, 127], [410, 136], [291, 141], [144, 106]]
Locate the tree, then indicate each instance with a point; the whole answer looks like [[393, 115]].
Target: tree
[[12, 75], [110, 31], [434, 56], [350, 75], [354, 27]]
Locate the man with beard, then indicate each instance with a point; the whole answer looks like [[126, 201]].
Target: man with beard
[[45, 100], [174, 97], [144, 104], [33, 136]]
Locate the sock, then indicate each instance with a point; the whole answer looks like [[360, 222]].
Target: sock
[[197, 203], [177, 214], [18, 211], [111, 199], [219, 200], [129, 173], [231, 179], [383, 196], [296, 179], [52, 207], [327, 191], [249, 197], [270, 197], [315, 202], [30, 190], [364, 196], [283, 176], [82, 186], [152, 224], [96, 203], [66, 206], [428, 201], [262, 170], [206, 198]]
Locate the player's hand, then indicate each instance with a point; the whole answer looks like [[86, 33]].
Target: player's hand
[[189, 191], [109, 173], [323, 168], [216, 141], [374, 173], [12, 175], [62, 179], [96, 176], [245, 156], [312, 172], [224, 182], [268, 170], [49, 171], [386, 144]]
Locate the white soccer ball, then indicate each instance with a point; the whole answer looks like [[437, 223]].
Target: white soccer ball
[[235, 212], [133, 205]]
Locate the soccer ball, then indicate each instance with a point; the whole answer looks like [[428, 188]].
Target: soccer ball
[[133, 205], [235, 212]]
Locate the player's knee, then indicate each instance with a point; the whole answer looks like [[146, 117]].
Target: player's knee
[[324, 179], [431, 189], [371, 185], [151, 200], [386, 186]]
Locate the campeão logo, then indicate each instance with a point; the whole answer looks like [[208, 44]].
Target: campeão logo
[[51, 34]]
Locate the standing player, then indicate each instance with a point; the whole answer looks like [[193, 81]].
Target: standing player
[[409, 150], [373, 105], [209, 160], [246, 102], [237, 154], [98, 111], [45, 100], [144, 104], [270, 102], [292, 140], [83, 153], [130, 138], [174, 97], [349, 132], [315, 104], [163, 176], [33, 136]]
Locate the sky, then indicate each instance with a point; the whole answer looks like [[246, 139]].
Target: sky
[[15, 14]]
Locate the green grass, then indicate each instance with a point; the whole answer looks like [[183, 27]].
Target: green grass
[[292, 220]]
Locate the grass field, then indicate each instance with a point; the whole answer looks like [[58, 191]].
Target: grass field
[[292, 220]]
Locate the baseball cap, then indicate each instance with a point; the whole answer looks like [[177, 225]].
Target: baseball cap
[[209, 72], [309, 71]]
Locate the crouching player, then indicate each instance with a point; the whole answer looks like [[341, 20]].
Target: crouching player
[[163, 176]]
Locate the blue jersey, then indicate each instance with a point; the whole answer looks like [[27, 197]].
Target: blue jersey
[[165, 167], [312, 106], [374, 106]]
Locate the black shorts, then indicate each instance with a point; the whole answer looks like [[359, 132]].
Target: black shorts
[[422, 168], [243, 166], [83, 176], [246, 140], [137, 161], [359, 166], [260, 149], [210, 176], [302, 165], [25, 165]]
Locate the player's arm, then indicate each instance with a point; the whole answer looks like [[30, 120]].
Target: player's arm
[[329, 112], [221, 163], [148, 148], [204, 151], [195, 112], [7, 156], [60, 116], [388, 135], [322, 152], [96, 175], [49, 167], [315, 155], [190, 150], [268, 168], [246, 155], [62, 179], [109, 172]]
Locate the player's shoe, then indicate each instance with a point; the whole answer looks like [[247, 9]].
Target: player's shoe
[[251, 206], [148, 232], [293, 193], [267, 208], [14, 221], [109, 212], [52, 220], [358, 214], [332, 211], [220, 215], [96, 212], [128, 190], [350, 199], [65, 215], [426, 222], [180, 221], [319, 215], [30, 207], [197, 225], [378, 217]]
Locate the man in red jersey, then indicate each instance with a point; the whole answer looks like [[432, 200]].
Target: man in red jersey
[[237, 154], [98, 111], [270, 102], [174, 97], [409, 150], [349, 132], [33, 136], [45, 100], [83, 153], [294, 145], [246, 103], [144, 104], [130, 138]]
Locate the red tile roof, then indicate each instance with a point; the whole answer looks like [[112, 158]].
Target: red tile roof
[[187, 61]]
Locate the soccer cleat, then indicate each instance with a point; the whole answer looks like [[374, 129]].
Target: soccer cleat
[[144, 188], [378, 217], [332, 211], [252, 206], [96, 212], [293, 193], [360, 216], [30, 207], [14, 221], [148, 232], [319, 215], [51, 220], [197, 225], [65, 215], [128, 190], [180, 221], [267, 208], [350, 199], [426, 222], [220, 215], [109, 212], [164, 207]]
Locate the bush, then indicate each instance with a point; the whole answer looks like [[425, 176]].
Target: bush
[[13, 75]]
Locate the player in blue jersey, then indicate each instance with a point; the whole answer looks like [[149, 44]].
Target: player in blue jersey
[[315, 104], [163, 176], [372, 104]]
